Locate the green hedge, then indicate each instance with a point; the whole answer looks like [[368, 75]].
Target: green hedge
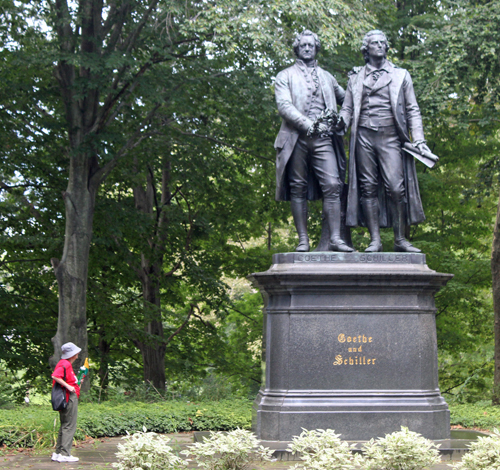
[[30, 426], [170, 417], [37, 425], [478, 415]]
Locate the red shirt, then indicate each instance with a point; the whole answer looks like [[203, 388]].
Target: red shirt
[[70, 376]]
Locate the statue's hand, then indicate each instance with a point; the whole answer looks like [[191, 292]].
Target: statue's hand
[[423, 148], [341, 125], [323, 129]]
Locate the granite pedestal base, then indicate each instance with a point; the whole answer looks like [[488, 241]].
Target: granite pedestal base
[[350, 345]]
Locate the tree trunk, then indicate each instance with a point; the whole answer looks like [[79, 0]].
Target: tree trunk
[[495, 273], [79, 198], [71, 271], [153, 348], [81, 34], [104, 349]]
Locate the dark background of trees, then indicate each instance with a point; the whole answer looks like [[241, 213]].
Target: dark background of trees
[[153, 122]]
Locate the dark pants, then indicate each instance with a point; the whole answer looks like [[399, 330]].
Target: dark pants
[[68, 426], [314, 153], [380, 151]]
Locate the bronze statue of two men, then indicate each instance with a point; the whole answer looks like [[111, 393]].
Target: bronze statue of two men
[[380, 106]]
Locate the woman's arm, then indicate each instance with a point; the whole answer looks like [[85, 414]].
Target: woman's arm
[[64, 384]]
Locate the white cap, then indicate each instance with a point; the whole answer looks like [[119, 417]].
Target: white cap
[[69, 350]]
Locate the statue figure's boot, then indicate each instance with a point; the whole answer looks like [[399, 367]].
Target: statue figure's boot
[[399, 224], [331, 209], [370, 210], [299, 212]]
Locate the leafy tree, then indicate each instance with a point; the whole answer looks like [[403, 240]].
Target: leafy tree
[[103, 77]]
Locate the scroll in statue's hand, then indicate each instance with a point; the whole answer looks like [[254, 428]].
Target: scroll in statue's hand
[[426, 151]]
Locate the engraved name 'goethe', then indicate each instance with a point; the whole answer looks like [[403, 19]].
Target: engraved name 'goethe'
[[353, 354]]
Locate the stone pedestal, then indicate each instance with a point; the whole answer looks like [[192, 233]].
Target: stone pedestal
[[350, 345]]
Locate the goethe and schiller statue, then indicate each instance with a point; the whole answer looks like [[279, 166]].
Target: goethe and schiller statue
[[386, 134]]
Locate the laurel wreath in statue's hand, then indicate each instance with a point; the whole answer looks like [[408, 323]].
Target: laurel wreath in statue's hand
[[324, 124]]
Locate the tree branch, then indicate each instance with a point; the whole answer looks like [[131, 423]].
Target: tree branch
[[243, 314], [177, 265], [101, 174], [191, 224], [176, 332], [129, 42], [105, 117], [464, 381], [207, 324]]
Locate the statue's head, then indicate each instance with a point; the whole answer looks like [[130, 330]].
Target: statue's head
[[370, 38], [304, 36]]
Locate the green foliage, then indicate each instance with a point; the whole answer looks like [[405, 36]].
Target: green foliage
[[234, 450], [449, 49], [484, 454], [40, 423], [243, 338], [6, 389], [164, 417], [402, 450], [478, 415], [147, 451], [467, 377], [212, 388], [323, 450]]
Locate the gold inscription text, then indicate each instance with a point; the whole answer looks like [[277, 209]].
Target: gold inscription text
[[342, 338], [353, 361]]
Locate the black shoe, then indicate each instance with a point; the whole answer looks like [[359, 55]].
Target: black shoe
[[303, 246], [405, 246], [375, 246], [341, 246]]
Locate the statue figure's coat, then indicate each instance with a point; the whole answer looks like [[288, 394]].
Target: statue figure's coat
[[407, 119], [293, 98]]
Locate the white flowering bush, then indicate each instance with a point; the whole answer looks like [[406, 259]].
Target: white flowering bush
[[323, 450], [402, 450], [147, 451], [484, 454], [228, 451]]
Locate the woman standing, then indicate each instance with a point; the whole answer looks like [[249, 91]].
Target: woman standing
[[64, 375]]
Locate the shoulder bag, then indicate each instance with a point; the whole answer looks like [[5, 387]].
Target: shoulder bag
[[58, 398]]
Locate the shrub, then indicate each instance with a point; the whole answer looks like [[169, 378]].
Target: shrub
[[147, 451], [10, 389], [484, 454], [37, 425], [228, 451], [165, 417], [323, 450], [478, 415], [402, 450]]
